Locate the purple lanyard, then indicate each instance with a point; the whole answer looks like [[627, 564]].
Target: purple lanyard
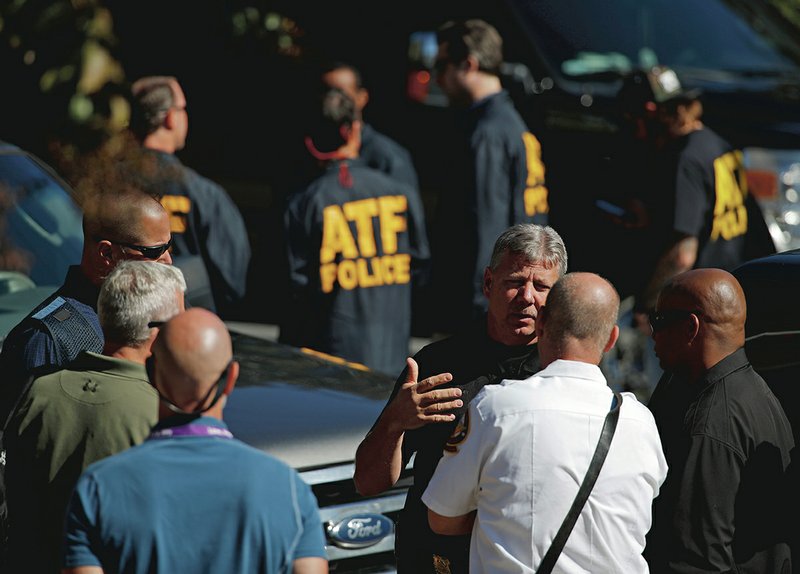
[[190, 430]]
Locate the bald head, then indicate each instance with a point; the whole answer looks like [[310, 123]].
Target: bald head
[[579, 319], [717, 295], [192, 351], [124, 216]]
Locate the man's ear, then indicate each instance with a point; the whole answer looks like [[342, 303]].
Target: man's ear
[[105, 259], [169, 119], [487, 281], [541, 318], [233, 374], [362, 98], [693, 327], [612, 339], [470, 64]]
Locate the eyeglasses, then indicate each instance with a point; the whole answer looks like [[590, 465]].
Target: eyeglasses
[[661, 319], [155, 324], [152, 252]]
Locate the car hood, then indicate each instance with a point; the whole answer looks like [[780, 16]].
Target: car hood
[[306, 410]]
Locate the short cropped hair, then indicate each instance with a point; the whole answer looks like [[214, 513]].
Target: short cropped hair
[[473, 38], [574, 313], [340, 65], [538, 244], [337, 110], [134, 294], [152, 97]]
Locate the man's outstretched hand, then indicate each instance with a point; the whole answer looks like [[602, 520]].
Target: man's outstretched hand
[[419, 403]]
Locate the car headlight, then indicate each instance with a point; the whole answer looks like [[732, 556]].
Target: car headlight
[[773, 177]]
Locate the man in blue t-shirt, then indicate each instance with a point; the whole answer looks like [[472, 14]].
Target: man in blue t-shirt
[[192, 498]]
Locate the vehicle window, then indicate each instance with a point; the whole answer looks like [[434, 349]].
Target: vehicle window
[[583, 38], [40, 226]]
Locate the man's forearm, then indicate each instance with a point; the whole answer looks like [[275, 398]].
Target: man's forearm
[[379, 459]]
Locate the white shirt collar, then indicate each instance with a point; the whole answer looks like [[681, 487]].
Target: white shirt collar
[[575, 369]]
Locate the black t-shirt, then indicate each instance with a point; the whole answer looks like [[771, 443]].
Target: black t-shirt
[[474, 360], [704, 196], [694, 186]]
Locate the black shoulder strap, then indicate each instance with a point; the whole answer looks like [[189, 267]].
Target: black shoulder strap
[[609, 426]]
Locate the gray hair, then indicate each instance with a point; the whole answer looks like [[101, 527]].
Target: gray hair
[[134, 294], [538, 244]]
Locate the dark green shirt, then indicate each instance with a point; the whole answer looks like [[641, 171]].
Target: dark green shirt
[[97, 407]]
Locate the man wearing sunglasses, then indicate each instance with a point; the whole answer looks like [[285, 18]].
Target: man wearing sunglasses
[[100, 405], [192, 498], [725, 436], [117, 226]]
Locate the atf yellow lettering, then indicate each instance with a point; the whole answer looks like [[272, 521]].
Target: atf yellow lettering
[[402, 268], [730, 214], [327, 276], [178, 207], [363, 273], [349, 252], [362, 213], [347, 274], [336, 236], [535, 190], [365, 279], [392, 222], [387, 269]]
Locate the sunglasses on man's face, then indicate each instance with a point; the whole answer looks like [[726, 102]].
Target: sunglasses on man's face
[[661, 319], [152, 252]]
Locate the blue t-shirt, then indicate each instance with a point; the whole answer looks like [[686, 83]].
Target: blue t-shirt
[[192, 504]]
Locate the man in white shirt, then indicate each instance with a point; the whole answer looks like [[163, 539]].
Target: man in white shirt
[[512, 474]]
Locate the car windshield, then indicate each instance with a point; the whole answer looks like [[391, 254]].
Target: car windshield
[[40, 225], [581, 39]]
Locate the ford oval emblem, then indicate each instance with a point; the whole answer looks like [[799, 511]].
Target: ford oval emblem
[[360, 530]]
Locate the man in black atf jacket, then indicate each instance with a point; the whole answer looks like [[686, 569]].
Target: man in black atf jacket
[[497, 179], [423, 413], [355, 240], [204, 220], [725, 506]]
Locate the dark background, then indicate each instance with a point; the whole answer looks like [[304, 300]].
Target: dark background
[[246, 92]]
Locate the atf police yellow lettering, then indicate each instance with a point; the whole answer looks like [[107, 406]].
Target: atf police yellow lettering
[[353, 260], [730, 214], [535, 191], [178, 207]]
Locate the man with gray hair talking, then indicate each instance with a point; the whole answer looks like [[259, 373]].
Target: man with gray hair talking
[[511, 476], [433, 392], [99, 405]]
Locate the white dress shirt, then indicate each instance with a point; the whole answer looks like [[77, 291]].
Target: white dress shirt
[[522, 460]]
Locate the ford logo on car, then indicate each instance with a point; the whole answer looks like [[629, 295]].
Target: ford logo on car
[[360, 531]]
